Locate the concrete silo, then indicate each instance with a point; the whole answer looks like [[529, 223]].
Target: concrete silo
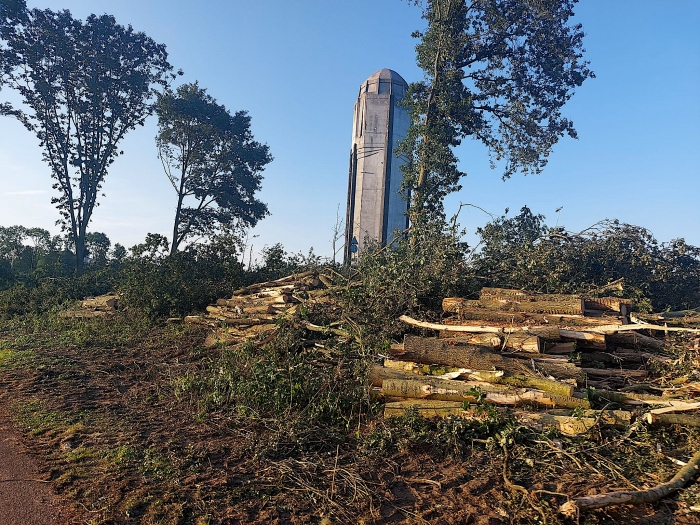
[[376, 209]]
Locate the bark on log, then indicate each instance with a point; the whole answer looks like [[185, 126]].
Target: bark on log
[[425, 407], [612, 372], [684, 475], [607, 304], [561, 348], [449, 352], [500, 299], [635, 340], [555, 387], [519, 318], [549, 333], [490, 340], [488, 376], [630, 398], [472, 391], [644, 326], [552, 365], [422, 369], [457, 304], [611, 418], [672, 419], [535, 306], [450, 328]]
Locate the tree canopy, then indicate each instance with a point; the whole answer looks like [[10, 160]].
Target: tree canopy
[[498, 71], [212, 162], [84, 86]]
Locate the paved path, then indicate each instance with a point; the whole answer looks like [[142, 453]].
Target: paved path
[[23, 499]]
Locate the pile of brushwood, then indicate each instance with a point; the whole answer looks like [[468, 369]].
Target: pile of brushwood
[[573, 364], [259, 309]]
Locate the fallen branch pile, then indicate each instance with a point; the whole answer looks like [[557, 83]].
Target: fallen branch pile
[[551, 359], [260, 308], [100, 306], [518, 349]]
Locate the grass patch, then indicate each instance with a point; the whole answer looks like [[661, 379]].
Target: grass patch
[[15, 358]]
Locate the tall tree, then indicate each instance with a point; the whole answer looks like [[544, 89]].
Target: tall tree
[[498, 71], [84, 86], [11, 12], [212, 162], [97, 245]]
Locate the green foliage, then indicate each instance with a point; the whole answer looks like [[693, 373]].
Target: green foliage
[[413, 275], [282, 378], [97, 246], [276, 263], [161, 285], [40, 296], [86, 85], [451, 436], [499, 72], [523, 252], [212, 162]]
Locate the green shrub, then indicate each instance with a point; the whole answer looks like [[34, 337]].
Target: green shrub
[[413, 275], [523, 252]]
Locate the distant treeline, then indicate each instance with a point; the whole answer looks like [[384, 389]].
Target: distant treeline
[[37, 272]]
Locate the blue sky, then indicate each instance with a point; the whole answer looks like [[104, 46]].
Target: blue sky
[[296, 67]]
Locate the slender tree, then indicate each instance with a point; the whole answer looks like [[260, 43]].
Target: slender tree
[[84, 86], [498, 71], [212, 162]]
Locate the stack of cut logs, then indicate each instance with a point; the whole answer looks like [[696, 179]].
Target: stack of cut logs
[[519, 349], [100, 306], [256, 309]]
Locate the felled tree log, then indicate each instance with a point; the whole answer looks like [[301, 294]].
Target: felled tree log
[[514, 300], [615, 372], [681, 315], [473, 391], [489, 376], [549, 333], [198, 319], [672, 419], [523, 341], [561, 348], [242, 310], [585, 339], [490, 340], [555, 387], [611, 418], [644, 326], [630, 398], [552, 365], [635, 340], [608, 304], [451, 353], [684, 475], [425, 407]]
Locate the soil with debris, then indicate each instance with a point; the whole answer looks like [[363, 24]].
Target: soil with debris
[[120, 447]]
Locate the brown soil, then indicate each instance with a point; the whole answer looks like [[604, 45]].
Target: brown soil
[[119, 447], [24, 496]]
